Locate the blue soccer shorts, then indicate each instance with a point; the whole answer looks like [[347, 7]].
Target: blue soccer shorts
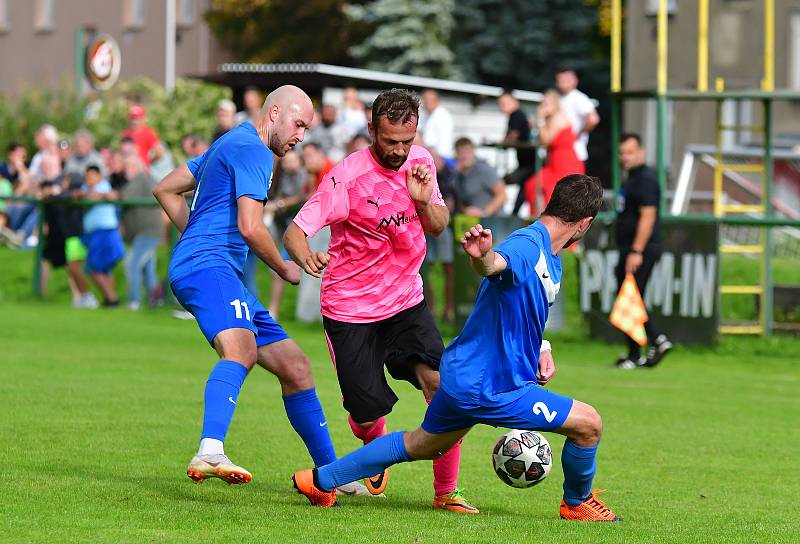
[[531, 408], [104, 250], [218, 299]]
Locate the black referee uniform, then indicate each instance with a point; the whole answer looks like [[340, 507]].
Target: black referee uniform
[[640, 189]]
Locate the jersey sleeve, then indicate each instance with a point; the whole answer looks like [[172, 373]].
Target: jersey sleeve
[[521, 253], [436, 195], [328, 205], [196, 163], [251, 172]]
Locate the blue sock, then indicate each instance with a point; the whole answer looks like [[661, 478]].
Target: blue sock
[[222, 390], [306, 416], [366, 461], [579, 464]]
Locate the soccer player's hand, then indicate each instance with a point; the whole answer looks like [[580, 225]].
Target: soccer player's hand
[[315, 263], [419, 181], [290, 273], [547, 367], [477, 241]]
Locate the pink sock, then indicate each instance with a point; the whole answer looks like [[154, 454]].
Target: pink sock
[[368, 434], [445, 470]]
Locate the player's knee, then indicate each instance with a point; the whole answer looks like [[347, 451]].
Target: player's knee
[[592, 427], [295, 373], [587, 426], [243, 356]]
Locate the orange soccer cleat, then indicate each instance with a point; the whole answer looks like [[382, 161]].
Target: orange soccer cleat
[[377, 484], [454, 502], [304, 484], [592, 509]]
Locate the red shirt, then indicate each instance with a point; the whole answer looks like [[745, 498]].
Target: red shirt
[[146, 140]]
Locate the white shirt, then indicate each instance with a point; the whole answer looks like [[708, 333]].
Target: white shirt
[[437, 131], [577, 106]]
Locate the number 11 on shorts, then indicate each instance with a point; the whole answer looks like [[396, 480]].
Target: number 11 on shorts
[[238, 305]]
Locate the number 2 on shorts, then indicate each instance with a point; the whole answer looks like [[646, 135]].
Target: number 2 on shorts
[[540, 408], [238, 305]]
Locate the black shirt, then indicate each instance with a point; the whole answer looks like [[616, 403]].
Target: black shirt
[[640, 189], [63, 221], [518, 121]]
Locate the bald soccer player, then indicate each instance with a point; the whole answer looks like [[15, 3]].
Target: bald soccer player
[[224, 222]]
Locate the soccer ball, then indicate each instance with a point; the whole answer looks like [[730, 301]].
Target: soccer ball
[[522, 458]]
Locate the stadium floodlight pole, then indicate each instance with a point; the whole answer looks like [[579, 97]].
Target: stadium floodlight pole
[[169, 47]]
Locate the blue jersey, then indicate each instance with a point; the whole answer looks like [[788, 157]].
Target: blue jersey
[[237, 164], [497, 352]]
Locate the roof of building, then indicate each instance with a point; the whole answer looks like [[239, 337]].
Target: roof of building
[[312, 77]]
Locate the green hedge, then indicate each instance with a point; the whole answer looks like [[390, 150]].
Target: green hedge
[[190, 108]]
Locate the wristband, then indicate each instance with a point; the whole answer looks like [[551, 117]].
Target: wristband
[[545, 346]]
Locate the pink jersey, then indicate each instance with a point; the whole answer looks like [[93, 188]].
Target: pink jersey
[[377, 242]]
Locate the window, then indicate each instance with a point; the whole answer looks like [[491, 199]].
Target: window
[[794, 51], [185, 13], [44, 16], [133, 14], [5, 24]]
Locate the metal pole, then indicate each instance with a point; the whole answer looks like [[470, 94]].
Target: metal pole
[[80, 62], [768, 83], [661, 156], [37, 260], [661, 102], [616, 46], [169, 47], [702, 46], [616, 174], [662, 47], [767, 307]]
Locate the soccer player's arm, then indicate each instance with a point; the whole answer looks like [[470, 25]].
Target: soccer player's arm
[[592, 117], [648, 212], [328, 205], [477, 244], [251, 170], [250, 220], [169, 193], [433, 212]]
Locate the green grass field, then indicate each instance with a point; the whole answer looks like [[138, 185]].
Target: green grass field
[[100, 411]]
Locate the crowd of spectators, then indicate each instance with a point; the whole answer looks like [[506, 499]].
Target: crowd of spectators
[[89, 240]]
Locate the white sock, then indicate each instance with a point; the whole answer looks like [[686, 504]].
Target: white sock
[[211, 446]]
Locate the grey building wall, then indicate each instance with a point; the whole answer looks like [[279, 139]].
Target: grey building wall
[[34, 56], [735, 54]]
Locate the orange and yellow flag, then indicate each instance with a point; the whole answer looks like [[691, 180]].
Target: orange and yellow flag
[[629, 314]]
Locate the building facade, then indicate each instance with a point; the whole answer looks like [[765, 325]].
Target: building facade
[[736, 54], [37, 39]]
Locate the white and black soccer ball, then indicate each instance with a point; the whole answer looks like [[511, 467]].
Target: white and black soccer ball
[[522, 458]]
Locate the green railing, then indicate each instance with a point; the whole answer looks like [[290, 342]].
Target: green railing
[[82, 203]]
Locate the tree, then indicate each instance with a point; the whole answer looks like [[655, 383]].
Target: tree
[[285, 30], [410, 37], [521, 44]]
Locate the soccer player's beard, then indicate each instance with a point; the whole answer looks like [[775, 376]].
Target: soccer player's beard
[[390, 160], [277, 146]]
